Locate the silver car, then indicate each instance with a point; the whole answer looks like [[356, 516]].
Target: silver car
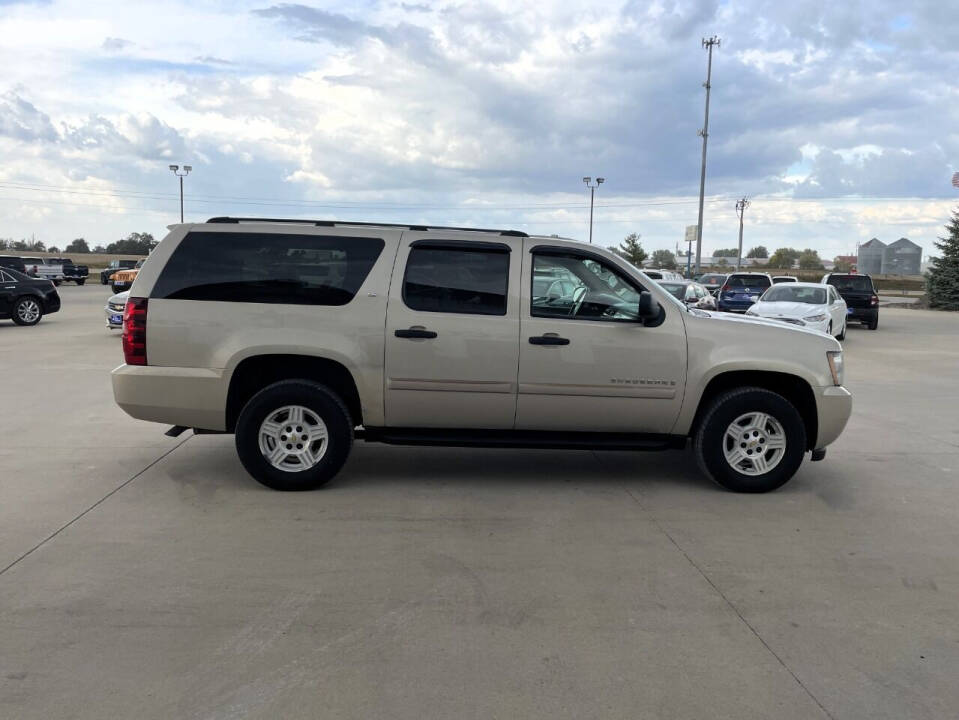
[[114, 310]]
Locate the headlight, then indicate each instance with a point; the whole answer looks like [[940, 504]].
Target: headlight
[[815, 318], [835, 366]]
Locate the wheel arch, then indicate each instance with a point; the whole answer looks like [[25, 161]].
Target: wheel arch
[[792, 387], [254, 373]]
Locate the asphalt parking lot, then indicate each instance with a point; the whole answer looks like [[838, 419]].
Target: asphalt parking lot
[[149, 577]]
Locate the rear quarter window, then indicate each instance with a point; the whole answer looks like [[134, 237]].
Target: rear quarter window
[[268, 268]]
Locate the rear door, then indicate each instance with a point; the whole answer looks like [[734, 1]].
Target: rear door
[[585, 362], [452, 331]]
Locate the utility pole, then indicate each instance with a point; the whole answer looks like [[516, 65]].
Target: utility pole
[[176, 171], [592, 194], [708, 44], [741, 206]]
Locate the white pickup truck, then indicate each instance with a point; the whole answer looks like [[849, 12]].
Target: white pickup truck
[[39, 267]]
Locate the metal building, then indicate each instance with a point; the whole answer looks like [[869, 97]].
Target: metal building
[[902, 257], [870, 257]]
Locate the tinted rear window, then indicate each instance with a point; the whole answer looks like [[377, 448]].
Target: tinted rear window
[[456, 280], [268, 268], [856, 283], [748, 281]]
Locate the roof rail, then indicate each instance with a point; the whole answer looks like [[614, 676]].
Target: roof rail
[[338, 223]]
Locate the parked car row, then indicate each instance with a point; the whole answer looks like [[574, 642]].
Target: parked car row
[[827, 306], [56, 270]]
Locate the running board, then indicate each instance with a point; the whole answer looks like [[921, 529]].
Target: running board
[[553, 440]]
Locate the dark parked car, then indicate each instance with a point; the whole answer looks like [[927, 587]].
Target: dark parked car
[[71, 271], [741, 290], [862, 302], [12, 261], [711, 281], [113, 267], [24, 299]]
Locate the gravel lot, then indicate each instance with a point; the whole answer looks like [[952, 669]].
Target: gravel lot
[[147, 577]]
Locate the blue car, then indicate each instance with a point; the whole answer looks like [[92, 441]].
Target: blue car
[[741, 290]]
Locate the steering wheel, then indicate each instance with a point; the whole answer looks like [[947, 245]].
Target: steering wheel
[[579, 296]]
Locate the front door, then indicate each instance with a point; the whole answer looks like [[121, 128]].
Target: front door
[[586, 361], [8, 291], [452, 331]]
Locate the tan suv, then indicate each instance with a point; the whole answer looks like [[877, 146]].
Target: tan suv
[[300, 336]]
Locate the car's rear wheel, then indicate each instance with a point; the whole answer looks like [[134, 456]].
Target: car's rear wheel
[[874, 323], [750, 440], [27, 311], [294, 435], [80, 282]]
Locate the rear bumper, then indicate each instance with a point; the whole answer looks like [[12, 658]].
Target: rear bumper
[[833, 408], [192, 397], [51, 303], [734, 306], [870, 313]]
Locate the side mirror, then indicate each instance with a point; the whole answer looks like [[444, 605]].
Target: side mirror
[[649, 309]]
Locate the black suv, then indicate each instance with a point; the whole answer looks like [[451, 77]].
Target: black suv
[[862, 302], [12, 261], [24, 299]]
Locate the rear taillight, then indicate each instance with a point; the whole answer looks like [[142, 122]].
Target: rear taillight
[[724, 288], [135, 331], [874, 300]]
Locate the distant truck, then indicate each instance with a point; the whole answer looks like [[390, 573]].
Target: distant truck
[[41, 268], [71, 271], [115, 266]]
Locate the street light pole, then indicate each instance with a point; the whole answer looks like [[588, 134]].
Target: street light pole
[[592, 194], [741, 206], [708, 44], [176, 171]]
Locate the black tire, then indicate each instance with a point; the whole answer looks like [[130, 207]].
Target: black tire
[[319, 399], [842, 336], [103, 280], [81, 281], [709, 438], [116, 289], [56, 283], [17, 309], [874, 323]]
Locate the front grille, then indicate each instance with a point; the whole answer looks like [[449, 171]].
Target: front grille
[[117, 307], [794, 321]]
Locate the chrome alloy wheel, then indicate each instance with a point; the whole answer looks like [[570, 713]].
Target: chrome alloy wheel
[[754, 443], [28, 310], [293, 438]]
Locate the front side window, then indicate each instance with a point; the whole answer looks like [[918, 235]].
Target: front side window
[[592, 289], [268, 268], [457, 279]]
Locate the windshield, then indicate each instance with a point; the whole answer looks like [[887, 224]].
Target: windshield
[[792, 293], [856, 283], [749, 281], [677, 290]]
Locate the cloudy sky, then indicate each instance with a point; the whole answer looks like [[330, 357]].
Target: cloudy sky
[[840, 120]]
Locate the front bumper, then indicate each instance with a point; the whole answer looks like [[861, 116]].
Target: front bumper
[[114, 316], [191, 397], [833, 408]]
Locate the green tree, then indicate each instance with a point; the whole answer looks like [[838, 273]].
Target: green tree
[[783, 258], [632, 250], [841, 266], [78, 246], [99, 249], [54, 249], [759, 251], [133, 244], [723, 262], [942, 280], [809, 260], [726, 252], [664, 259]]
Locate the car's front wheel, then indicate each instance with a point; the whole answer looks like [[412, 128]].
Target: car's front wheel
[[294, 435], [750, 440], [81, 281], [27, 311]]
